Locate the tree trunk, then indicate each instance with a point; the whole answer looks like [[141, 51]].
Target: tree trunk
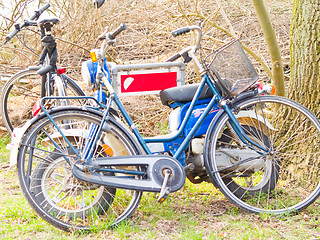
[[273, 47], [304, 84]]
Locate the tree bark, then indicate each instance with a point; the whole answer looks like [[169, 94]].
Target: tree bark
[[304, 86]]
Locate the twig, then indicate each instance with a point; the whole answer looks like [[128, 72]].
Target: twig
[[20, 49], [226, 19], [247, 49], [74, 44], [99, 19], [279, 233], [3, 129], [183, 14]]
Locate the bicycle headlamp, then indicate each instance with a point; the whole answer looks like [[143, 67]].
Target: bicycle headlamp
[[89, 71], [86, 72]]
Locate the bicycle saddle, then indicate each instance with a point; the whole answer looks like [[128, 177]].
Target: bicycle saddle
[[183, 94], [49, 20]]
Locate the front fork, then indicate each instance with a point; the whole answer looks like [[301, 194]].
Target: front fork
[[94, 132], [239, 131]]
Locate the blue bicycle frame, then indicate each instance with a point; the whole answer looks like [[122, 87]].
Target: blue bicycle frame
[[176, 143]]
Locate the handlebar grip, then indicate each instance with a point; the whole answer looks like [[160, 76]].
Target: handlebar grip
[[11, 35], [112, 35], [174, 57], [34, 17], [44, 70], [180, 31], [39, 12]]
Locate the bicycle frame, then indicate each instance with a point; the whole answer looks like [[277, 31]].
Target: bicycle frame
[[171, 139]]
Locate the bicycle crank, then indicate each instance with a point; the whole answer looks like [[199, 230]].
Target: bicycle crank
[[154, 173]]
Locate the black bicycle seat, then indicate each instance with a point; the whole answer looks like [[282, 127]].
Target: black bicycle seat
[[49, 20], [183, 94]]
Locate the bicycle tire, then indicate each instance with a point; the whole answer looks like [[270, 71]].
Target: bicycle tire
[[49, 186], [20, 93], [290, 132]]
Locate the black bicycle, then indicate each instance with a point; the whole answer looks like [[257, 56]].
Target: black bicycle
[[22, 91]]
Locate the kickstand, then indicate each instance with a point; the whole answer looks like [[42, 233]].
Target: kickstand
[[165, 191]]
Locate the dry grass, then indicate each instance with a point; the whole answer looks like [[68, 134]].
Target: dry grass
[[148, 37], [150, 23]]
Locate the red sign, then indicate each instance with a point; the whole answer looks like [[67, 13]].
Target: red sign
[[148, 82]]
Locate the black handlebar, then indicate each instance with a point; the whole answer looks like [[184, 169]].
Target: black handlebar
[[26, 23], [39, 12], [180, 31], [11, 35], [112, 35]]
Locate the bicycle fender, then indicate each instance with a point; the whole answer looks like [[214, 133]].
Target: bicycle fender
[[19, 133], [37, 67], [16, 138], [242, 115], [235, 102]]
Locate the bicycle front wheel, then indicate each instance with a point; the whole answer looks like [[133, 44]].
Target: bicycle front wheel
[[285, 176], [21, 92], [46, 177]]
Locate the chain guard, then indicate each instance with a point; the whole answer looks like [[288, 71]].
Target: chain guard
[[153, 165]]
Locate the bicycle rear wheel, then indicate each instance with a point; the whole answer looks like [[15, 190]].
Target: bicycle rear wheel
[[21, 92], [284, 179], [48, 183]]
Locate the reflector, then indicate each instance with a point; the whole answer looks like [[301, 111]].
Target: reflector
[[108, 150], [61, 71], [36, 108], [93, 56]]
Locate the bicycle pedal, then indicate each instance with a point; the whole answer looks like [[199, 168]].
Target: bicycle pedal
[[163, 196], [165, 190]]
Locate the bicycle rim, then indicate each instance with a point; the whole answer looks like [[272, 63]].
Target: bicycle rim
[[48, 183], [19, 95]]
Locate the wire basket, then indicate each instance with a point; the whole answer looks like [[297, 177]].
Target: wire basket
[[232, 68]]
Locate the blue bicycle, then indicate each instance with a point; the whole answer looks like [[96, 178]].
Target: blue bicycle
[[84, 168]]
